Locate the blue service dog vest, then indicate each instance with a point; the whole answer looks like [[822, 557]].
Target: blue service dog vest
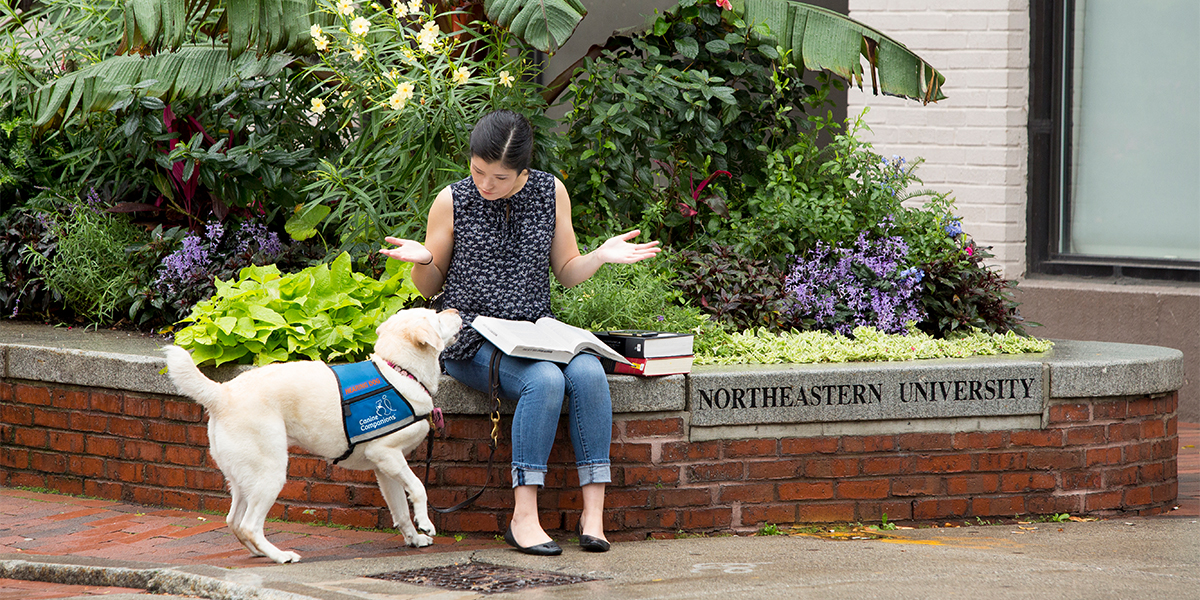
[[371, 407]]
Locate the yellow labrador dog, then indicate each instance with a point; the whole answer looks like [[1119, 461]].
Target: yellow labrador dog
[[255, 417]]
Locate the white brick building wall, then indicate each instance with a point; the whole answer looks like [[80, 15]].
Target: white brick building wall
[[974, 141]]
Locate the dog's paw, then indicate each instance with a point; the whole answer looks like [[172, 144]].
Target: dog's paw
[[426, 527], [419, 541], [287, 557]]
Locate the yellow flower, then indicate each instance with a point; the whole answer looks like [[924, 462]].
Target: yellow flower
[[318, 106], [406, 90], [360, 26], [358, 52], [506, 79], [396, 102], [414, 6], [321, 42], [461, 75], [401, 10], [315, 31], [427, 39], [346, 7], [404, 93]]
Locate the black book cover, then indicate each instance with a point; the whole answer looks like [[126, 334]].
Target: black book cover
[[647, 344]]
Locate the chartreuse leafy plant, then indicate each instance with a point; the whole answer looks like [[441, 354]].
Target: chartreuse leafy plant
[[868, 344], [326, 312]]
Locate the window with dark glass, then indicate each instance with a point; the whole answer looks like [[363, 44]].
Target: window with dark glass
[[1114, 132]]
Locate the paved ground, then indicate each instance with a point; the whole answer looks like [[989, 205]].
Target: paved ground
[[88, 547]]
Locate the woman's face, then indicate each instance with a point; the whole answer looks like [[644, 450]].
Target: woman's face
[[493, 180]]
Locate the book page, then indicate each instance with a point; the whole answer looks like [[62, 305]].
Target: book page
[[547, 339], [508, 335], [577, 339]]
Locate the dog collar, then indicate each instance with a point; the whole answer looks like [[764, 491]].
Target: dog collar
[[401, 371]]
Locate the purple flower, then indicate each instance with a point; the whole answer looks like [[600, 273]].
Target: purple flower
[[214, 232], [256, 235], [843, 288], [200, 258], [186, 265], [93, 200], [953, 228]]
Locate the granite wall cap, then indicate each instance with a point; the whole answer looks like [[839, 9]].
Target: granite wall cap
[[629, 395], [88, 368], [132, 361], [1100, 369]]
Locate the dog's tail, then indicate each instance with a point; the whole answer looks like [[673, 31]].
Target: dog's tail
[[189, 380]]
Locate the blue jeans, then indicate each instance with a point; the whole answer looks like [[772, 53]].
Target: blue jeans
[[539, 387]]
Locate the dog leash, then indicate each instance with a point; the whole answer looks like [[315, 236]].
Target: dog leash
[[435, 421]]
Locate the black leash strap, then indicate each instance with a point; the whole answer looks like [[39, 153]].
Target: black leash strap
[[494, 384]]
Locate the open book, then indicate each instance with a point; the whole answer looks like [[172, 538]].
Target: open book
[[547, 339]]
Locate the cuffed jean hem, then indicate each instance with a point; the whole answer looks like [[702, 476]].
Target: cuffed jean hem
[[526, 476], [595, 473], [588, 474]]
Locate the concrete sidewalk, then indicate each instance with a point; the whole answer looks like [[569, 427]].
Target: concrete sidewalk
[[80, 548]]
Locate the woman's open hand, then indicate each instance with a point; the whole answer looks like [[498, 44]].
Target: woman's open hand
[[407, 251], [618, 249]]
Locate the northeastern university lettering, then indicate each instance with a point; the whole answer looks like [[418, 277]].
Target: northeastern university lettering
[[889, 392]]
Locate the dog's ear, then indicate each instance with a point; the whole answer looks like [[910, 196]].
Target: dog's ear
[[424, 333]]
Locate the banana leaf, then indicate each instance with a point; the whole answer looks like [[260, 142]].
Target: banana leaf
[[826, 40], [191, 71]]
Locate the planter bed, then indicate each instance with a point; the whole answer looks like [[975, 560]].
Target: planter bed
[[1086, 428]]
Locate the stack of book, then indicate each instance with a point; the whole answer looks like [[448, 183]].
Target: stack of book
[[628, 352], [649, 353]]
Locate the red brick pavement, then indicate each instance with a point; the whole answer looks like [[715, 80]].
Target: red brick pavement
[[49, 524], [14, 589], [55, 525], [1189, 471]]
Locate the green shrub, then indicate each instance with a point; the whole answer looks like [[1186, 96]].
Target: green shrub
[[866, 344], [90, 268], [24, 237], [962, 294], [737, 291], [669, 128], [404, 96], [636, 296], [324, 312]]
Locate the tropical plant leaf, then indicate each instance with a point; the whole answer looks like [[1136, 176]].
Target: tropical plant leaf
[[153, 25], [818, 38], [822, 39], [543, 24], [192, 71]]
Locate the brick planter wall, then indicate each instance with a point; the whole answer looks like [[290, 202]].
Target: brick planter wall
[[1101, 456]]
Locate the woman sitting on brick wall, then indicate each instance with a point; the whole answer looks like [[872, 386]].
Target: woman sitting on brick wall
[[490, 239]]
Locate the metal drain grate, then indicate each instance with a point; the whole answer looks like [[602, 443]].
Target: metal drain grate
[[481, 577]]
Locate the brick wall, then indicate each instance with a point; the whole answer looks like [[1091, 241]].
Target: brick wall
[[974, 142], [1100, 457]]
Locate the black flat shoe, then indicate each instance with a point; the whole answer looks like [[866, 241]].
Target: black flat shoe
[[550, 548], [591, 543]]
